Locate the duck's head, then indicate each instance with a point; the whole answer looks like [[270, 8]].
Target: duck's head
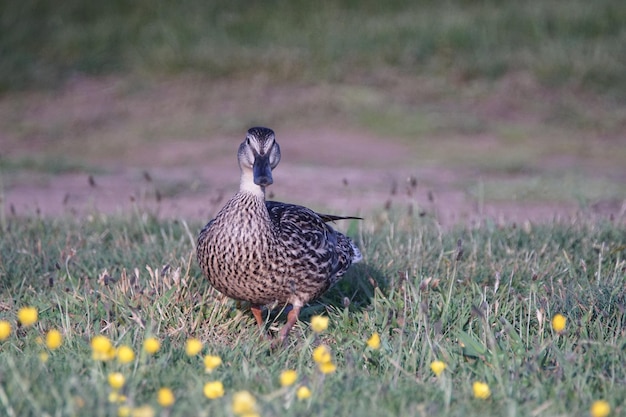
[[258, 155]]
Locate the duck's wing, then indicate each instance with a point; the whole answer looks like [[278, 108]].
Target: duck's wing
[[305, 232], [276, 209], [292, 220]]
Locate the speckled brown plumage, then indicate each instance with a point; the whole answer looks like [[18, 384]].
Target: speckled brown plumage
[[267, 252]]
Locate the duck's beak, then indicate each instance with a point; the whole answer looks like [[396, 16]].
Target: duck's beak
[[262, 170]]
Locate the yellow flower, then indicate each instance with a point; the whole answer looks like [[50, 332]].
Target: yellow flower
[[600, 408], [101, 343], [321, 354], [211, 362], [116, 397], [123, 411], [43, 357], [288, 377], [303, 393], [53, 339], [374, 342], [125, 354], [102, 348], [143, 411], [327, 367], [165, 397], [213, 390], [319, 323], [558, 323], [481, 390], [244, 403], [5, 330], [116, 380], [437, 367], [193, 347], [27, 316], [151, 345]]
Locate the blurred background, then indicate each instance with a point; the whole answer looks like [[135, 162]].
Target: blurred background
[[462, 110]]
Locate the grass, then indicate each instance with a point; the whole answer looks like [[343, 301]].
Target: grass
[[497, 86], [43, 164], [479, 299], [575, 44], [547, 188]]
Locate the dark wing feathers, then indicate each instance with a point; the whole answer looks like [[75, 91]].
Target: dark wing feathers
[[301, 226], [331, 218], [277, 208]]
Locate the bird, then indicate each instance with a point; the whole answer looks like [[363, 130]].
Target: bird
[[269, 253]]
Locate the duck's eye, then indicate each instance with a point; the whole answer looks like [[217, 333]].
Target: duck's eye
[[248, 141]]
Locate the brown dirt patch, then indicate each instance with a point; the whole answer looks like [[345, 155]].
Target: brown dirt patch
[[342, 170]]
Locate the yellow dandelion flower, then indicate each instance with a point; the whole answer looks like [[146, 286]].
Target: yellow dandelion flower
[[437, 367], [165, 397], [123, 411], [374, 342], [116, 398], [193, 347], [53, 339], [600, 408], [211, 362], [116, 380], [125, 354], [558, 323], [327, 367], [303, 392], [27, 316], [43, 357], [288, 377], [102, 348], [101, 343], [481, 390], [244, 403], [5, 330], [319, 323], [143, 411], [213, 390], [321, 354], [151, 345]]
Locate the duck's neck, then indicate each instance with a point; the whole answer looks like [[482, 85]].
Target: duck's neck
[[248, 186]]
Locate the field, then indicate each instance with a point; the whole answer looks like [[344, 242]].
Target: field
[[483, 143], [480, 300], [512, 111]]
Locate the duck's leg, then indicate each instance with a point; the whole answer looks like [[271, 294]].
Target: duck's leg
[[258, 315], [292, 318]]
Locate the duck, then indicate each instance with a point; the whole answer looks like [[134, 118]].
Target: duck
[[269, 253]]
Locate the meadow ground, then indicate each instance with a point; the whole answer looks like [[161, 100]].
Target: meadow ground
[[480, 300], [483, 143]]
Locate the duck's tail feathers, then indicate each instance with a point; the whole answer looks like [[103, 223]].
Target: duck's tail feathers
[[331, 217]]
